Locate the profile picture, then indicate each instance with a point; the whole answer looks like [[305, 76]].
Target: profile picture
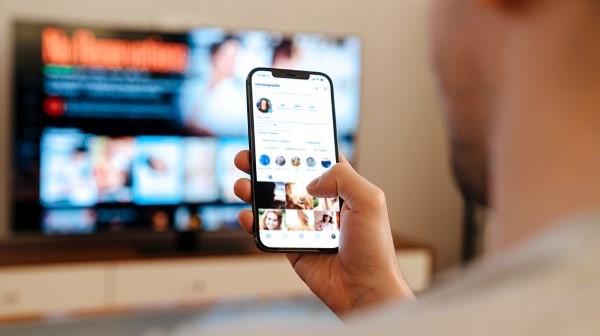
[[325, 221], [326, 163], [310, 161], [280, 160], [270, 220], [296, 161], [264, 105]]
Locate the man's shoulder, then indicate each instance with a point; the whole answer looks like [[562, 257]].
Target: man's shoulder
[[550, 285]]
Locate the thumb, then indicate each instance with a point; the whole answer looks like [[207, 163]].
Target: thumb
[[342, 180]]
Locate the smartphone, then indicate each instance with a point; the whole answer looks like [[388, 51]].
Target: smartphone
[[293, 140]]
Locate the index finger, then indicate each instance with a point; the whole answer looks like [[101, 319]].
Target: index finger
[[242, 161]]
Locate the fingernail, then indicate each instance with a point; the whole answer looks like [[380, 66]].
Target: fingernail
[[313, 184]]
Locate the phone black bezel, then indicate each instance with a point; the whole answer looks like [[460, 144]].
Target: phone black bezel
[[292, 74]]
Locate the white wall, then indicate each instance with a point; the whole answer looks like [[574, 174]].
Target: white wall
[[402, 143]]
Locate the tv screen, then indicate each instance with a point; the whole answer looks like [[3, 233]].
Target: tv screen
[[125, 130]]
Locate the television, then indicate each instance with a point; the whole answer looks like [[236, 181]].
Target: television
[[119, 130]]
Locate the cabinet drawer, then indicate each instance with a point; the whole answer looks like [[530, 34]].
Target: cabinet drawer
[[205, 279], [47, 290]]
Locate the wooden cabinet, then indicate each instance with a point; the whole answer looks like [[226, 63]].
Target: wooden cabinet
[[102, 286]]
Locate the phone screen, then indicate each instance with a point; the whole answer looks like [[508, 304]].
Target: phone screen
[[293, 141]]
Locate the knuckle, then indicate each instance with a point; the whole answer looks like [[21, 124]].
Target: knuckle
[[337, 169]]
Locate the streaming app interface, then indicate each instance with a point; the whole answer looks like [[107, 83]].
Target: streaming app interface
[[294, 142]]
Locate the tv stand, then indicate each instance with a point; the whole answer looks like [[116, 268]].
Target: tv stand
[[37, 282]]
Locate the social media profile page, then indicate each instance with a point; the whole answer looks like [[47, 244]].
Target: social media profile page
[[295, 143]]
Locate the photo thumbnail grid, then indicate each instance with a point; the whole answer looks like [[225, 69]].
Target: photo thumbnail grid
[[298, 220], [289, 207]]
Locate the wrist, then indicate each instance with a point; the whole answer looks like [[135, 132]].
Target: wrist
[[393, 288]]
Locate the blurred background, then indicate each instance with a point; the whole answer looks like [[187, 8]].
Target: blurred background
[[115, 191]]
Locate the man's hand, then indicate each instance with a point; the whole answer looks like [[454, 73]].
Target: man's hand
[[365, 271]]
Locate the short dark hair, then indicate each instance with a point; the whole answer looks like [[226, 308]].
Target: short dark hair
[[284, 48], [214, 48]]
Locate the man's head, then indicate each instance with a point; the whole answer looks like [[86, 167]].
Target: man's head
[[466, 46], [482, 49], [520, 79]]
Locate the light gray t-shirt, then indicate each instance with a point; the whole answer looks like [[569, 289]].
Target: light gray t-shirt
[[550, 286]]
